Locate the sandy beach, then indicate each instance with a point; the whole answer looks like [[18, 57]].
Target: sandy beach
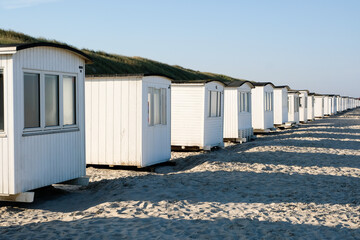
[[300, 183]]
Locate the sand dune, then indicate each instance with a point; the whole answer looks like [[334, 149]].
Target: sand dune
[[299, 183]]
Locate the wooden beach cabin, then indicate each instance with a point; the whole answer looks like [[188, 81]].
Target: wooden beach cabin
[[303, 105], [127, 120], [42, 139], [237, 111], [327, 105], [197, 114], [293, 112], [281, 106], [319, 106], [262, 107], [311, 107]]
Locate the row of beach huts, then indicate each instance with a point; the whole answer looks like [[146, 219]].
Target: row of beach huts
[[54, 120]]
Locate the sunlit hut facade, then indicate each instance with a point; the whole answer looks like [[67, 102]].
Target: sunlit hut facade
[[262, 106], [303, 105], [311, 107], [237, 111], [293, 111], [281, 105], [197, 114], [319, 106], [127, 120], [42, 137], [333, 104], [327, 105]]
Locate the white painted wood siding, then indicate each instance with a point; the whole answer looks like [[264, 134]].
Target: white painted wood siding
[[326, 106], [280, 106], [269, 115], [303, 109], [310, 115], [7, 173], [46, 159], [231, 112], [245, 117], [318, 107], [292, 115], [114, 120], [213, 127], [257, 108], [156, 140], [187, 114]]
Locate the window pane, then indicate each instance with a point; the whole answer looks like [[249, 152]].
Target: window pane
[[31, 100], [163, 106], [1, 100], [157, 107], [213, 101], [51, 100], [150, 107], [69, 100], [219, 104]]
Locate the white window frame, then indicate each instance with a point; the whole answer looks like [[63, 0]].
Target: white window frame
[[3, 131], [244, 102], [163, 106], [268, 101], [61, 127], [218, 104]]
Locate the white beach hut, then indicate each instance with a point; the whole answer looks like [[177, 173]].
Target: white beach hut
[[327, 103], [197, 113], [311, 107], [293, 111], [333, 109], [281, 106], [338, 104], [262, 107], [42, 139], [237, 111], [319, 106], [303, 105], [127, 120]]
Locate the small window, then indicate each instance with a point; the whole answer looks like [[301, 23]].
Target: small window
[[69, 100], [296, 104], [301, 102], [214, 104], [1, 100], [31, 100], [268, 101], [51, 100], [244, 102], [157, 106]]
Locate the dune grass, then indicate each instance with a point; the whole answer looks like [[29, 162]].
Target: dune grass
[[107, 64]]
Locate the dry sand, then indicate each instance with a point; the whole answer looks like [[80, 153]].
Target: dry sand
[[301, 183]]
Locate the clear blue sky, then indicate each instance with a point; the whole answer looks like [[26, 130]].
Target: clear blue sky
[[306, 44]]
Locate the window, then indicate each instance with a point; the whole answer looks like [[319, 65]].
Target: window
[[42, 98], [296, 104], [268, 101], [51, 100], [244, 102], [69, 100], [157, 106], [214, 104], [32, 100], [1, 100], [301, 102]]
